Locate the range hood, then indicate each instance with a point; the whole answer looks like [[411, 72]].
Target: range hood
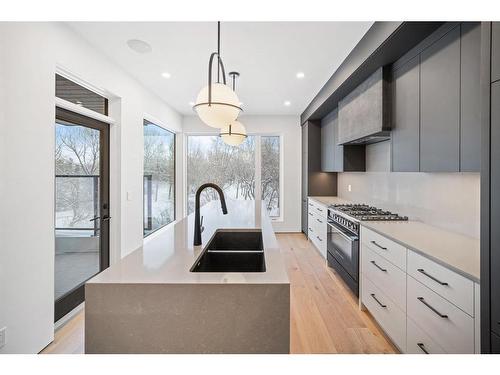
[[365, 114]]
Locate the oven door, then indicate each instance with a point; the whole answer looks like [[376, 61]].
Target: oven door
[[344, 247]]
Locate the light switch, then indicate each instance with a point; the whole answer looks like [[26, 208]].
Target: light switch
[[129, 195], [349, 188]]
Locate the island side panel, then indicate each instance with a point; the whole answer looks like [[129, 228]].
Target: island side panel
[[187, 318]]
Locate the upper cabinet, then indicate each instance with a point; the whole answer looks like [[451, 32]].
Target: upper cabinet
[[440, 105], [406, 118], [495, 51], [334, 156], [364, 114], [436, 124]]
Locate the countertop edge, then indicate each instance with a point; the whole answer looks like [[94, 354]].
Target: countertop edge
[[425, 254]]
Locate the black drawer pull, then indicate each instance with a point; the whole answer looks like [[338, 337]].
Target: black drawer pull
[[310, 214], [376, 265], [422, 347], [319, 238], [319, 220], [311, 230], [421, 299], [310, 204], [431, 277], [380, 303], [381, 247]]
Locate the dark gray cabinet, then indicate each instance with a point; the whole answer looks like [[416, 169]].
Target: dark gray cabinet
[[470, 121], [336, 157], [495, 208], [405, 135], [440, 105], [328, 142], [314, 181], [495, 51]]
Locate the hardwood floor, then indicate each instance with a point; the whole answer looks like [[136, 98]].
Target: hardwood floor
[[324, 316]]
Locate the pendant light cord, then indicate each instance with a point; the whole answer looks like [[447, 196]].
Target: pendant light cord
[[218, 51]]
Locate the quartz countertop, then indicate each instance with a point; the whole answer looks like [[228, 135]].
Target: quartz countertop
[[327, 200], [167, 257], [452, 250]]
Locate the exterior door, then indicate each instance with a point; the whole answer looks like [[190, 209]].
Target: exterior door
[[81, 206]]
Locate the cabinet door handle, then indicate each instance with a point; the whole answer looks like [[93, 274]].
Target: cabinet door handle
[[381, 247], [422, 347], [376, 265], [380, 303], [310, 204], [319, 209], [319, 238], [421, 299], [431, 277], [319, 220]]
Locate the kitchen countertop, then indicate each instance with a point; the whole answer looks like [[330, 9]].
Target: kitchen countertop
[[167, 257], [452, 250], [327, 200]]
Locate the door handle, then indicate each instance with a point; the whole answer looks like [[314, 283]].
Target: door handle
[[381, 247], [422, 347], [376, 265], [380, 303], [421, 299], [431, 277], [95, 218], [106, 218]]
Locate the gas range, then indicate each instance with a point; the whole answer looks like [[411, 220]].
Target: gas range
[[349, 215]]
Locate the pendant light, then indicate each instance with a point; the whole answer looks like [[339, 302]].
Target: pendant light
[[217, 105], [235, 133]]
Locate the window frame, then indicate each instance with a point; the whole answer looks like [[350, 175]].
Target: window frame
[[149, 120], [258, 172]]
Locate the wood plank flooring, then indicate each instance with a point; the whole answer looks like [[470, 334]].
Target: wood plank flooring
[[325, 317]]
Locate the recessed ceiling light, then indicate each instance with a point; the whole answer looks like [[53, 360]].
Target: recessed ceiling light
[[191, 104], [287, 103], [300, 75], [139, 46], [166, 75], [241, 103]]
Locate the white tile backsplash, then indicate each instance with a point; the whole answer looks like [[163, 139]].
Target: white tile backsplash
[[446, 200]]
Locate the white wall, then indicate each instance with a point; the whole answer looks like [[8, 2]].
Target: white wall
[[446, 200], [30, 54], [289, 128]]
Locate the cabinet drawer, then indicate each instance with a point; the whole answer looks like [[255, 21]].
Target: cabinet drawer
[[419, 342], [390, 250], [448, 284], [386, 313], [385, 276], [317, 209], [446, 324]]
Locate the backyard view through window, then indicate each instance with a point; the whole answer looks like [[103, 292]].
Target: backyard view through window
[[209, 159], [159, 177]]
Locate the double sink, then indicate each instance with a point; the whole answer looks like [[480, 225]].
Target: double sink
[[232, 251]]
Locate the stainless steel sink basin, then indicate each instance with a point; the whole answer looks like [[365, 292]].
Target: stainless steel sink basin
[[228, 251]]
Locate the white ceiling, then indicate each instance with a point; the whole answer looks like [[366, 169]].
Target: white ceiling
[[267, 54]]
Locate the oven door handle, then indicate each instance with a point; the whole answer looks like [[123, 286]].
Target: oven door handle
[[350, 238]]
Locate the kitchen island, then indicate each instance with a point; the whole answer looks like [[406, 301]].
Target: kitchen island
[[151, 302]]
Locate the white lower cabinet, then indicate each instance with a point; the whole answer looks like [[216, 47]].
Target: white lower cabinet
[[390, 317], [424, 307], [317, 226], [419, 342]]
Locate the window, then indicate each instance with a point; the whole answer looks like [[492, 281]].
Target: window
[[159, 177], [234, 169], [74, 93], [270, 172]]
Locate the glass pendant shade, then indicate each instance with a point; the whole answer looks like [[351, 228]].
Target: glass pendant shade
[[223, 108], [234, 134]]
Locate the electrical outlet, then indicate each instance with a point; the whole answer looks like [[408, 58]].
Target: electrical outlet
[[349, 187], [2, 336]]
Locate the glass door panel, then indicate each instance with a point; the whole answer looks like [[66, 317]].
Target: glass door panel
[[81, 207]]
